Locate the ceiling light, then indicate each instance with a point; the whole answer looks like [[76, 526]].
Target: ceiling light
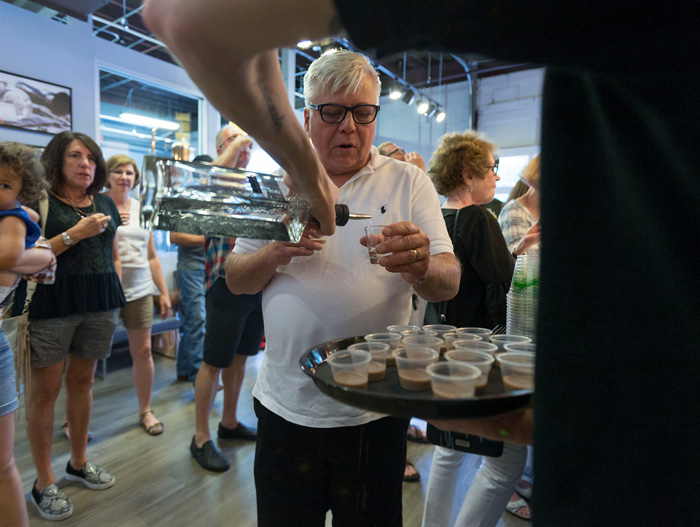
[[422, 106], [408, 97], [305, 44], [440, 116], [396, 92], [150, 122], [432, 108]]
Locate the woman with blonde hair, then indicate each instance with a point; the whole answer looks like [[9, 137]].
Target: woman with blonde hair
[[464, 168], [521, 213], [140, 269]]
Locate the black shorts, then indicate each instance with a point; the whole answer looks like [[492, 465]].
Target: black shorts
[[234, 325]]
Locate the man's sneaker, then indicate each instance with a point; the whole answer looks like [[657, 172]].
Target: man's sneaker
[[52, 504], [209, 457], [91, 475]]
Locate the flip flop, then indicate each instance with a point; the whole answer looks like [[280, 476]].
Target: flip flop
[[514, 507], [153, 430], [416, 434], [413, 477]]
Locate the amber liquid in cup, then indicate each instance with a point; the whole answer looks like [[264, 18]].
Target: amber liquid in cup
[[416, 379], [518, 382], [351, 379], [377, 371]]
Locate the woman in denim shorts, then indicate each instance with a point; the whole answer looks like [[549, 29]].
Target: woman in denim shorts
[[21, 179], [72, 321]]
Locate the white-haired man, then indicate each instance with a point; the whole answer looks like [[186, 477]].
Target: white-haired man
[[348, 460]]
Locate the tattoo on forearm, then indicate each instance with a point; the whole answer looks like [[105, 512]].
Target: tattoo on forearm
[[277, 118]]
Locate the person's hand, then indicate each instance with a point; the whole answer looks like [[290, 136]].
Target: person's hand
[[90, 226], [516, 427], [415, 159], [283, 252], [165, 306], [321, 197], [410, 248], [532, 237]]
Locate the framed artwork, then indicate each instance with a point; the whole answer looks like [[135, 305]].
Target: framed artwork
[[34, 105]]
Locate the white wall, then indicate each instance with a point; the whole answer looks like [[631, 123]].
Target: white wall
[[69, 55]]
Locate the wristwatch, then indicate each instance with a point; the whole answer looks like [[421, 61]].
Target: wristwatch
[[67, 239]]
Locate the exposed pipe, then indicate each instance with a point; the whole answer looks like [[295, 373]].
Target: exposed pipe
[[128, 30]]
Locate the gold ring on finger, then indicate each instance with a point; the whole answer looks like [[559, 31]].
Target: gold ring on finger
[[415, 255]]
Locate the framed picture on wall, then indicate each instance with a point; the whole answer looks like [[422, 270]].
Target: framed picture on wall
[[31, 104]]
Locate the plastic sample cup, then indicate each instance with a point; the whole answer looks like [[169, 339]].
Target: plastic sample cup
[[440, 328], [502, 340], [453, 380], [374, 238], [400, 328], [411, 364], [483, 333], [378, 350], [350, 368], [518, 370], [392, 339], [453, 335], [475, 345], [480, 359], [422, 341], [419, 333]]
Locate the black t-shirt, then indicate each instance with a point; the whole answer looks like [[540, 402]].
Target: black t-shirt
[[487, 269], [86, 280], [616, 403]]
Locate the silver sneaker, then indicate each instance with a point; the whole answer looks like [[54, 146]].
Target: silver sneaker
[[92, 476], [52, 504]]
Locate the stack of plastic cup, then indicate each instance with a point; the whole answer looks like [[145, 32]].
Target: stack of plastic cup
[[521, 317]]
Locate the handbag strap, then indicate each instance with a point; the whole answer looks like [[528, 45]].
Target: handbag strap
[[442, 305]]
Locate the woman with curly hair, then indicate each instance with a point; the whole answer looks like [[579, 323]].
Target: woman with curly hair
[[465, 170]]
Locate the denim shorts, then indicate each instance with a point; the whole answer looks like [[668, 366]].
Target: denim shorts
[[8, 390], [88, 336]]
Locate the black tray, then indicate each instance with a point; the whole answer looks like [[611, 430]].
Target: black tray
[[388, 397]]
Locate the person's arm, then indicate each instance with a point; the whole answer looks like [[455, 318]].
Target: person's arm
[[187, 240], [229, 157], [117, 262], [86, 228], [13, 230], [33, 260], [158, 278], [415, 159], [250, 273], [434, 278], [515, 427], [249, 89]]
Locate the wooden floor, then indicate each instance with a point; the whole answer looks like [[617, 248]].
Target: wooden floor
[[157, 481]]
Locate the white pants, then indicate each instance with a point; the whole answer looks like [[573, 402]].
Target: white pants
[[488, 493]]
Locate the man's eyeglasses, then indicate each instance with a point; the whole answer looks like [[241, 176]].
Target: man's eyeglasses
[[335, 113], [493, 167], [399, 150]]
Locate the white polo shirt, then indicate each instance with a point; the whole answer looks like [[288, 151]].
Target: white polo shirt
[[337, 293]]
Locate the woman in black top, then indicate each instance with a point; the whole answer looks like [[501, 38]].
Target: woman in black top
[[72, 321], [464, 169]]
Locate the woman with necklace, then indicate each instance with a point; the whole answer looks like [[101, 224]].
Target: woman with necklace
[[140, 269], [72, 321]]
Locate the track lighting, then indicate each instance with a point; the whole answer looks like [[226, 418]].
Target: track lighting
[[440, 116], [396, 92], [422, 106], [408, 97]]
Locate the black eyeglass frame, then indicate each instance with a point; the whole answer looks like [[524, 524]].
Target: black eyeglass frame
[[346, 109], [494, 167]]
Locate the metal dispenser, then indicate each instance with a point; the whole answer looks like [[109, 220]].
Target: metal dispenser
[[210, 200]]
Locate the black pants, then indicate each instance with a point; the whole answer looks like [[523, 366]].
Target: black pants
[[355, 471]]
